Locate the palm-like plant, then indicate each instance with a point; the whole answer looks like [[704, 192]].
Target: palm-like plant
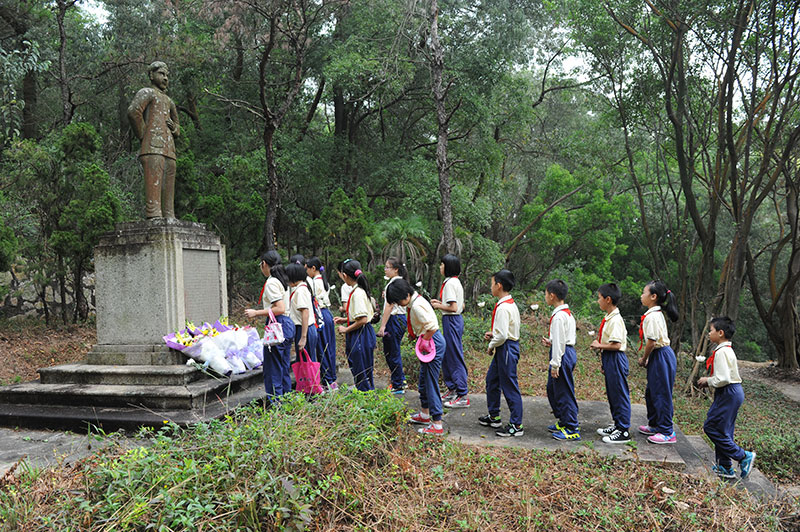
[[406, 239]]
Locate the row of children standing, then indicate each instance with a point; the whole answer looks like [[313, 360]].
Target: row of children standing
[[301, 290]]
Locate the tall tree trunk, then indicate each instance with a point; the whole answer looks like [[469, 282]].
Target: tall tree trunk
[[273, 186], [67, 108], [30, 97], [442, 120]]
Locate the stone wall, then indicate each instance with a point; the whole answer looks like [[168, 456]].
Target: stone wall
[[19, 298]]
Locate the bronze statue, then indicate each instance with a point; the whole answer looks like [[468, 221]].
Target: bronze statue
[[154, 119]]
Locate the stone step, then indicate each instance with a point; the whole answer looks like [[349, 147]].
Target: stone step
[[182, 397], [142, 375], [134, 355], [108, 419], [700, 456]]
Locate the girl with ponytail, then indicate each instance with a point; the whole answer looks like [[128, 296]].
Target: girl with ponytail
[[659, 359], [301, 310], [326, 346], [393, 327], [275, 297], [359, 335]]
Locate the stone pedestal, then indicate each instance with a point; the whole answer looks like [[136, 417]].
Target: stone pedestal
[[152, 276]]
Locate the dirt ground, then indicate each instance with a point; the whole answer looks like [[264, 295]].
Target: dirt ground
[[23, 350], [787, 382]]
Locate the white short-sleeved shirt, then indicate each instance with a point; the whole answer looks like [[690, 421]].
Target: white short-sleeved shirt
[[654, 327], [421, 314], [345, 292], [506, 322], [300, 297], [726, 369], [322, 295], [614, 330], [396, 309], [359, 305], [452, 290], [274, 291], [562, 333]]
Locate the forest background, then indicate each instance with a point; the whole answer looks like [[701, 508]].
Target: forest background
[[586, 140]]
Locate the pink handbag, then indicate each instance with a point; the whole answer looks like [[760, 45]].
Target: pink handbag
[[273, 331], [306, 374]]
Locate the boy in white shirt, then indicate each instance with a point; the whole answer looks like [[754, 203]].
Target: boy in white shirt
[[724, 377], [560, 383], [504, 350]]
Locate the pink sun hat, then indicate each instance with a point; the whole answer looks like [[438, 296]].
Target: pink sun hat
[[426, 349]]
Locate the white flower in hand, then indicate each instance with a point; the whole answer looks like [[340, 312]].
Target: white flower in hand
[[419, 284], [534, 307], [700, 358], [591, 333], [481, 304]]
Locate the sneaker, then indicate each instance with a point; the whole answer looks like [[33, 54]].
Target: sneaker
[[510, 430], [746, 464], [723, 472], [458, 402], [449, 395], [608, 431], [646, 430], [398, 391], [618, 436], [555, 428], [419, 419], [566, 434], [490, 421], [332, 387], [661, 439], [431, 429]]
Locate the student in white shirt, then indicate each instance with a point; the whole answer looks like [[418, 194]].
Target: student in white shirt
[[326, 346], [451, 303], [275, 297], [302, 312], [422, 323], [360, 337], [504, 350], [560, 381], [659, 359], [611, 342], [393, 327], [724, 377]]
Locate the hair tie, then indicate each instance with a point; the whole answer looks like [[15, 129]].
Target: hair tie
[[358, 272], [322, 268], [669, 291]]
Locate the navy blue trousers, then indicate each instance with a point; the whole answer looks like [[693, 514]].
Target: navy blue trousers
[[277, 362], [428, 387], [454, 370], [326, 349], [561, 391], [311, 342], [360, 348], [502, 376], [615, 369], [720, 422], [395, 329], [658, 395]]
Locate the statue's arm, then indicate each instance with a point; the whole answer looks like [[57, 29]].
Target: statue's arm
[[136, 112], [173, 116]]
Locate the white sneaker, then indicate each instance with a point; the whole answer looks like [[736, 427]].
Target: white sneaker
[[608, 431], [457, 402], [618, 436]]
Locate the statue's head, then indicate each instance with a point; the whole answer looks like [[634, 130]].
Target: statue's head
[[159, 74]]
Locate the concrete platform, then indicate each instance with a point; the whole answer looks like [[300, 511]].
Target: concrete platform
[[141, 375]]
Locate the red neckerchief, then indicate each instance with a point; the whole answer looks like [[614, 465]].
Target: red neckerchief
[[553, 316], [261, 295], [441, 290], [408, 320], [641, 330], [600, 332], [710, 361], [509, 300], [347, 307]]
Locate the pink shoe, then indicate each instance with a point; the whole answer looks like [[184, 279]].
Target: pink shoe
[[458, 402], [661, 439], [646, 430], [430, 429], [419, 419]]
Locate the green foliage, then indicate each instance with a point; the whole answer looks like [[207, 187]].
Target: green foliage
[[14, 65], [8, 242], [345, 226]]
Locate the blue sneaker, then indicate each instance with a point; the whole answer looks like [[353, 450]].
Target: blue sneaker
[[555, 428], [566, 434], [723, 472], [746, 464]]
